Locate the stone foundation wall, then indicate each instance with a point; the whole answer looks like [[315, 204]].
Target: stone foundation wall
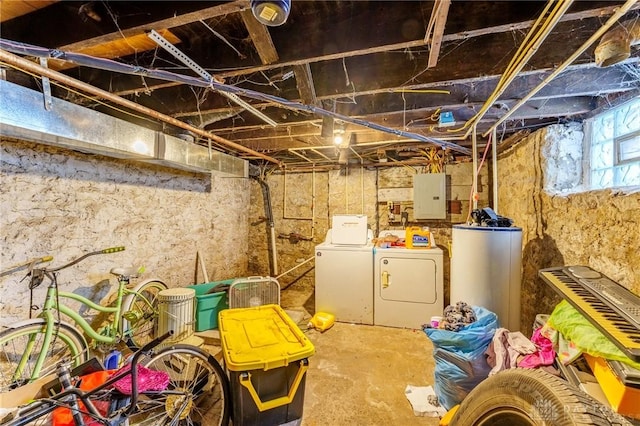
[[62, 203], [600, 229]]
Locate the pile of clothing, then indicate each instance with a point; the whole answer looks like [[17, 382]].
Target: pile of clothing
[[457, 316], [510, 349]]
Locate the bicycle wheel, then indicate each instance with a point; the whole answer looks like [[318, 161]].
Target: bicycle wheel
[[23, 343], [198, 391], [140, 317]]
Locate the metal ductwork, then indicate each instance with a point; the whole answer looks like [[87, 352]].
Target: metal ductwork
[[23, 116], [615, 45]]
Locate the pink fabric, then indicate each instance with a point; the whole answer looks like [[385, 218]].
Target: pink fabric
[[545, 355], [148, 380], [505, 348]]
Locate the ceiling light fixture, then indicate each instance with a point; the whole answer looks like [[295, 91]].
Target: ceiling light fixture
[[271, 12], [338, 132]]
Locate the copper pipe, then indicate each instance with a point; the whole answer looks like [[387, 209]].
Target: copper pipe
[[23, 64]]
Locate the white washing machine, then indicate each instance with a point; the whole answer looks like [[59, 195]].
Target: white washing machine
[[344, 274], [408, 285]]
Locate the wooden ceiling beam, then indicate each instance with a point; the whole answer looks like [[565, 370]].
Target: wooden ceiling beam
[[304, 81], [418, 120], [12, 9], [382, 140], [260, 37], [134, 83], [172, 22], [440, 10], [576, 81]]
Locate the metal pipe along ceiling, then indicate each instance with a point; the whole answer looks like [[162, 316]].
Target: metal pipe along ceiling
[[612, 20], [29, 66], [110, 65]]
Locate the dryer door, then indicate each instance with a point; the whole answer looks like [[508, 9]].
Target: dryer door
[[407, 280]]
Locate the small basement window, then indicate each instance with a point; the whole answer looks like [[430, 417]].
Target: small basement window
[[613, 141]]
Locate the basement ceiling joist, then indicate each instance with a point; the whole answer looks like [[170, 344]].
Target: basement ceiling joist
[[371, 59]]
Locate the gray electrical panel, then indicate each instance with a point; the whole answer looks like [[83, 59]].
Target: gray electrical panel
[[430, 196]]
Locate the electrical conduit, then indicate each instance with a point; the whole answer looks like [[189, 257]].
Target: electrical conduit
[[23, 64], [612, 20], [110, 65]]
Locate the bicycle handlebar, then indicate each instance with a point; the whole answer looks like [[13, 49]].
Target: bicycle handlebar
[[93, 253], [28, 264]]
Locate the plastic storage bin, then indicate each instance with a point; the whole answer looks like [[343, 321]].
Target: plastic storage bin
[[266, 356], [208, 305]]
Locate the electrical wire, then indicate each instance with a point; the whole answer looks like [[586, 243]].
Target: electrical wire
[[110, 65], [538, 32]]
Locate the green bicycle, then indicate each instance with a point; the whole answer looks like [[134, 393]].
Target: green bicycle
[[33, 348]]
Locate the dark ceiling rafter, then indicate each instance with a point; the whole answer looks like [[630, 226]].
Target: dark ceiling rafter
[[400, 67], [460, 36]]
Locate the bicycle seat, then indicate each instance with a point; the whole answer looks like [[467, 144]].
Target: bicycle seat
[[127, 271]]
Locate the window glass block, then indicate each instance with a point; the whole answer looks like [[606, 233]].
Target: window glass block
[[603, 128], [628, 118], [602, 155], [601, 178], [627, 175], [615, 147]]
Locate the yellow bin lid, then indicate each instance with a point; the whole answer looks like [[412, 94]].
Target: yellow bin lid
[[262, 337]]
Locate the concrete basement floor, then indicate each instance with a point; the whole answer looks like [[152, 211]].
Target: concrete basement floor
[[359, 373]]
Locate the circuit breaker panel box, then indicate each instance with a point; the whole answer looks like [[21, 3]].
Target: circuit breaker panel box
[[430, 196]]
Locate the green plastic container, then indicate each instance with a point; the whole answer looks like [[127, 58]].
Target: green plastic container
[[209, 304]]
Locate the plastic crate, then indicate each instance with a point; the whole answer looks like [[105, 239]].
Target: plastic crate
[[266, 356], [208, 305]]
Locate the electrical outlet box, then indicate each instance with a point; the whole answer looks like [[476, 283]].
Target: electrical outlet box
[[446, 119], [430, 196]]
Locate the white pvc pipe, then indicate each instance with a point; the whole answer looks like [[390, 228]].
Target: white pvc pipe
[[295, 267]]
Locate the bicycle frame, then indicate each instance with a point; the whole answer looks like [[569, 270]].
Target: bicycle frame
[[41, 408], [51, 306]]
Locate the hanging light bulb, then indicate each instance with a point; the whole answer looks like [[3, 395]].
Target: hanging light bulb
[[338, 133], [271, 12]]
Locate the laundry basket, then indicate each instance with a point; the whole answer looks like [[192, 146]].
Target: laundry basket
[[254, 291]]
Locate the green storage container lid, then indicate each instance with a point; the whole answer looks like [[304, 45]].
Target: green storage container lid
[[262, 337]]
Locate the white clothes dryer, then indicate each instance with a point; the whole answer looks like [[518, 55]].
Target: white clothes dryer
[[408, 285]]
